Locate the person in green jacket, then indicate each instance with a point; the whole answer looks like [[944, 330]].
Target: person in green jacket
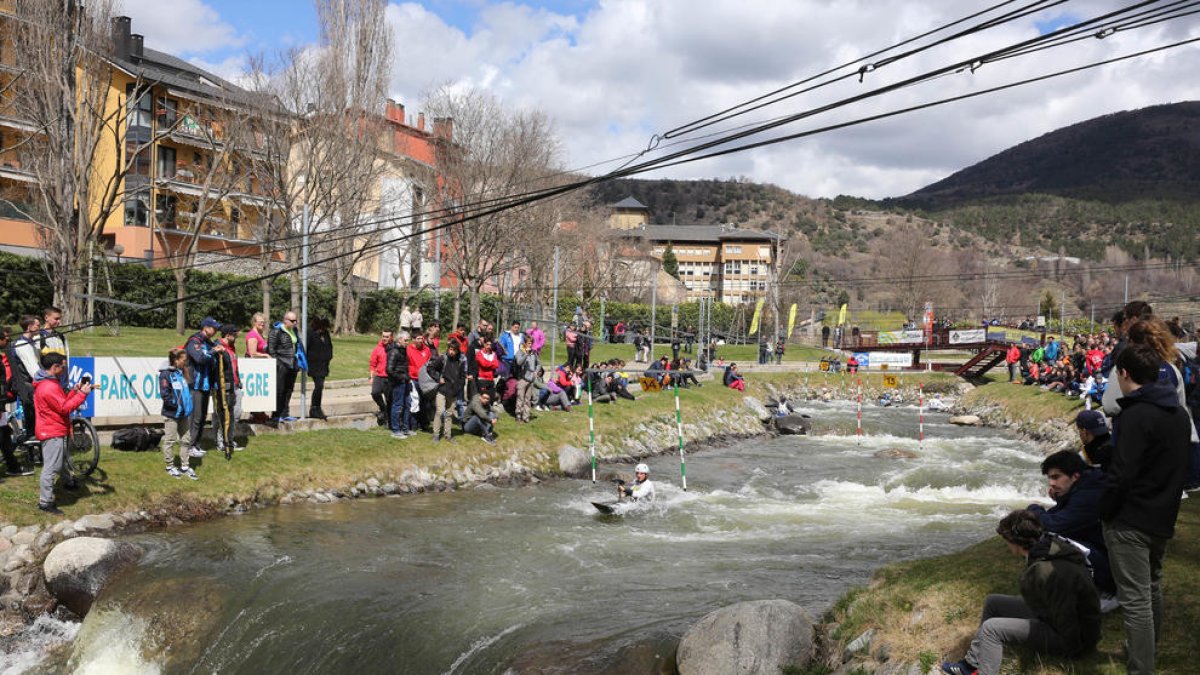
[[1058, 611]]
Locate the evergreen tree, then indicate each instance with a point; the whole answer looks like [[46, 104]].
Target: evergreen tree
[[669, 262]]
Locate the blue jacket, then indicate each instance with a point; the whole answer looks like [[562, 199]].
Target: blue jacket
[[510, 350], [1051, 350], [1076, 515], [176, 398], [204, 366]]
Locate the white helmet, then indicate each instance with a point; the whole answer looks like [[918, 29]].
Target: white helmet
[[641, 468]]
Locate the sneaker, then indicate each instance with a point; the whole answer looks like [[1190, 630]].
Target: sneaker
[[437, 439], [190, 473], [289, 418], [1108, 602], [174, 472], [489, 440], [22, 472], [196, 452], [959, 668], [399, 435], [236, 447], [51, 509]]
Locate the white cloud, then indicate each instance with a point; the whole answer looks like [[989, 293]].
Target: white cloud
[[181, 26]]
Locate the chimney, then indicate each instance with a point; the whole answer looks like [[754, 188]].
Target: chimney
[[443, 128], [121, 26], [394, 112], [135, 45], [420, 121]]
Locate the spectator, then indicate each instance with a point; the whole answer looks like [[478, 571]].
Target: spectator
[[320, 354], [536, 337], [733, 379], [225, 389], [480, 418], [1076, 490], [689, 339], [397, 371], [824, 336], [459, 335], [381, 388], [1013, 358], [554, 394], [450, 389], [417, 321], [54, 407], [510, 343], [433, 337], [202, 367], [1057, 611], [418, 354], [676, 345], [486, 364], [1141, 504], [283, 344], [780, 348], [406, 324], [527, 367], [176, 396], [256, 344], [852, 364], [8, 396], [24, 356], [50, 340]]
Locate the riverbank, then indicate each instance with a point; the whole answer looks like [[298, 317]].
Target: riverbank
[[926, 611]]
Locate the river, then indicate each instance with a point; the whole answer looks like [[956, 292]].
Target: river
[[532, 579]]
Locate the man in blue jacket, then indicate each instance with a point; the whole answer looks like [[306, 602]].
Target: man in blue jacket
[[1076, 489], [203, 366]]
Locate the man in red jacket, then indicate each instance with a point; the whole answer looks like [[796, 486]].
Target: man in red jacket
[[381, 389], [1013, 358], [54, 407]]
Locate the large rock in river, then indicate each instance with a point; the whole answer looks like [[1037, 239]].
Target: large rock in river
[[749, 638], [78, 569], [966, 420], [793, 424], [573, 462], [757, 408]]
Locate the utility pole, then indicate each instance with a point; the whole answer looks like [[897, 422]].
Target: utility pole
[[554, 314], [437, 275], [303, 310], [1127, 289], [1062, 314], [91, 287], [653, 308], [602, 298]]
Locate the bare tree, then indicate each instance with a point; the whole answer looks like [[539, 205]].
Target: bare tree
[[497, 152], [65, 95]]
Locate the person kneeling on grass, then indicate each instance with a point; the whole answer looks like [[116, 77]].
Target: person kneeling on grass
[[175, 391], [1057, 612], [54, 407], [480, 419]]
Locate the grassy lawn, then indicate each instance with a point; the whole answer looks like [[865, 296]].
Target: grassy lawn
[[1024, 403], [275, 464], [928, 610]]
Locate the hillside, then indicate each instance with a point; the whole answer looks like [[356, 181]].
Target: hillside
[[1147, 154]]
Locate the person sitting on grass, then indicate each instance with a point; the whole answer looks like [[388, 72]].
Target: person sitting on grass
[[1076, 489], [550, 394], [733, 379], [1058, 611], [54, 407], [175, 391], [481, 421]]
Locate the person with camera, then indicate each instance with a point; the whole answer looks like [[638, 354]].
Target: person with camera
[[54, 407]]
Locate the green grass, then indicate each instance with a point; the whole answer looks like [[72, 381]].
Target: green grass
[[947, 594], [1031, 404], [275, 464]]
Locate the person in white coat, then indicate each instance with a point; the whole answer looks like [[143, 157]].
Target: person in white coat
[[642, 489]]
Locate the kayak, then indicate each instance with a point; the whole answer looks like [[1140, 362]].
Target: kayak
[[608, 508]]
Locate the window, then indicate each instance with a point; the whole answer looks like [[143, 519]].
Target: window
[[166, 162], [136, 211], [138, 158], [138, 107], [165, 210], [754, 270], [167, 112], [764, 252], [733, 249]]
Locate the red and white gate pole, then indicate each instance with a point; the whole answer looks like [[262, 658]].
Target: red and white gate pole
[[921, 416], [859, 438]]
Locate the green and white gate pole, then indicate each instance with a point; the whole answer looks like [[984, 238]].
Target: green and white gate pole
[[591, 428], [679, 427]]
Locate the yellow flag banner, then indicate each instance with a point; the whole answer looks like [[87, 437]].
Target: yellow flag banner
[[757, 313], [791, 321], [842, 315]]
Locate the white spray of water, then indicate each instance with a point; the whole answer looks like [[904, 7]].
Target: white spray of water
[[478, 646], [41, 636]]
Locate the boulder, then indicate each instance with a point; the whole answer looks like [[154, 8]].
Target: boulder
[[78, 569], [757, 408], [761, 636], [793, 424], [896, 453], [574, 462], [966, 420]]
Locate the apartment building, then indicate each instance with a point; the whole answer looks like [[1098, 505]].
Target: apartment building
[[727, 263]]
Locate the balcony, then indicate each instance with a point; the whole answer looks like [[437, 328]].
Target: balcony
[[12, 170]]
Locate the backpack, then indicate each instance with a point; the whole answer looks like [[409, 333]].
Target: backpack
[[136, 438]]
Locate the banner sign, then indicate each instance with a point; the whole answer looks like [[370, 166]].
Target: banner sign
[[128, 387], [867, 360], [901, 337], [958, 337], [997, 336]]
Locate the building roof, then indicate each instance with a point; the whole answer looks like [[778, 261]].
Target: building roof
[[630, 203], [175, 73], [699, 233]]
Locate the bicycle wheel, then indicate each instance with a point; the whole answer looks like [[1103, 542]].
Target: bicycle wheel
[[83, 447]]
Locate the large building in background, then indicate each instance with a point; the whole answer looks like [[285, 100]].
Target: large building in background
[[723, 262]]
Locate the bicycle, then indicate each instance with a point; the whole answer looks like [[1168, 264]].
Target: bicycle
[[83, 443]]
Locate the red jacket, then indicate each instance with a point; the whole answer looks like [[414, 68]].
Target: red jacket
[[488, 363], [54, 407], [1013, 355], [461, 339], [417, 356], [378, 363]]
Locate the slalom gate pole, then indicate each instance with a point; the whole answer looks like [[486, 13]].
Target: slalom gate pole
[[921, 416], [859, 411], [679, 427], [591, 428]]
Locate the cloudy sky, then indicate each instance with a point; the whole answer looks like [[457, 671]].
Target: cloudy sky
[[613, 73]]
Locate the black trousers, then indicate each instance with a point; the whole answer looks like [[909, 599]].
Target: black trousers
[[318, 391], [285, 383]]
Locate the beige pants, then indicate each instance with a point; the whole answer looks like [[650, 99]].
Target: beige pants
[[524, 399], [174, 431], [441, 425]]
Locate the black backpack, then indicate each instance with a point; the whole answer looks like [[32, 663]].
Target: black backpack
[[136, 438]]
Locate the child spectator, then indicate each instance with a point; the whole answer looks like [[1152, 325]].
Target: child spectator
[[175, 392]]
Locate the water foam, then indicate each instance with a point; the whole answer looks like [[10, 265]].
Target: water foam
[[114, 644], [480, 645], [37, 640]]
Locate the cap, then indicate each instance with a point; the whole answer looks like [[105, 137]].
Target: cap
[[210, 322], [1093, 421]]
